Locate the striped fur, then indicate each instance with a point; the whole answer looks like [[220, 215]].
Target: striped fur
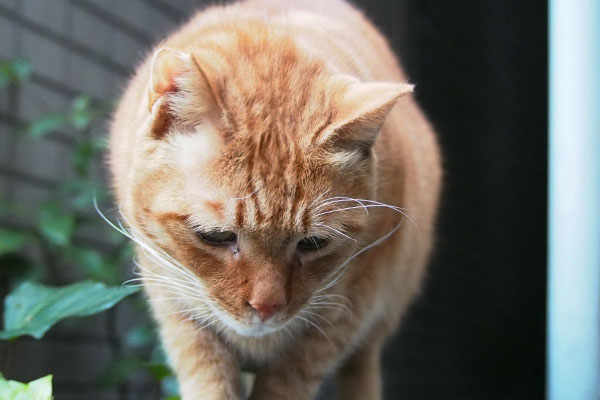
[[277, 121]]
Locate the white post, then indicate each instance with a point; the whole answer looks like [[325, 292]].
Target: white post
[[574, 201]]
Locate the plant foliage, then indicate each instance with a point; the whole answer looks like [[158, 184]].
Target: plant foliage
[[40, 389], [51, 243], [33, 308]]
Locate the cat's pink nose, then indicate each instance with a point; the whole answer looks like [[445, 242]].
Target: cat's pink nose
[[266, 311]]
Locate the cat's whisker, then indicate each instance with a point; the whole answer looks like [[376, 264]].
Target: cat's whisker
[[154, 252], [370, 204], [337, 231], [168, 298], [313, 324], [330, 295], [324, 305], [172, 290], [287, 329], [307, 311], [205, 323], [246, 196], [189, 310], [339, 199], [318, 200], [151, 275], [338, 272], [182, 288]]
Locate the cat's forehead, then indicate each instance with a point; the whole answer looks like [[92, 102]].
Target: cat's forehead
[[268, 183]]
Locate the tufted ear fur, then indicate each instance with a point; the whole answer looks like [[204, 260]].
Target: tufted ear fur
[[177, 77], [362, 110]]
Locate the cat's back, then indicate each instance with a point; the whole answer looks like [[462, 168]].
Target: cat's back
[[331, 30]]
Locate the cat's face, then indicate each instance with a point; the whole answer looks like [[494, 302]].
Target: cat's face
[[256, 197]]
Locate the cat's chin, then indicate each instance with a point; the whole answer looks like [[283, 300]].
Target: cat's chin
[[255, 328]]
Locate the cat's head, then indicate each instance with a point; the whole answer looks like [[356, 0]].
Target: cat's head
[[249, 176]]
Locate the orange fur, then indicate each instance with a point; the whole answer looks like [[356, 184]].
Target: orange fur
[[277, 121]]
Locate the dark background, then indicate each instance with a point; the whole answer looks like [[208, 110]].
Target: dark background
[[478, 332]]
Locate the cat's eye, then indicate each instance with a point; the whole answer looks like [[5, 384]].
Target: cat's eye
[[311, 243], [217, 238]]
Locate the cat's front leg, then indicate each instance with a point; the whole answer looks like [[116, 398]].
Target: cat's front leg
[[205, 367]]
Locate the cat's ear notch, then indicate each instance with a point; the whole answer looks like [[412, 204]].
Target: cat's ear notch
[[363, 108], [177, 76]]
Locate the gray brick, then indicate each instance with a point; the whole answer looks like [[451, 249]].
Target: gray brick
[[89, 78], [36, 101], [46, 56], [42, 158], [13, 4], [136, 14], [110, 6], [29, 196], [6, 137], [90, 31], [62, 359], [185, 6], [127, 51], [48, 13], [8, 30]]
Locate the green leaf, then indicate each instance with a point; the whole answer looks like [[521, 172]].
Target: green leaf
[[14, 71], [94, 264], [143, 335], [82, 193], [81, 114], [119, 370], [160, 371], [83, 156], [31, 309], [11, 241], [45, 125], [40, 389], [56, 225]]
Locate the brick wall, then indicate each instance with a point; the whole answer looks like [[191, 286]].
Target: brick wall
[[75, 46]]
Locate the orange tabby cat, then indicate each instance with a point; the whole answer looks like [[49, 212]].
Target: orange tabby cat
[[281, 185]]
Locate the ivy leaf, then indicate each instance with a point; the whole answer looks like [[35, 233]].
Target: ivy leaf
[[56, 225], [119, 370], [11, 241], [83, 156], [40, 389], [45, 125], [143, 335], [81, 114], [14, 71], [159, 371], [31, 309], [82, 191], [94, 264]]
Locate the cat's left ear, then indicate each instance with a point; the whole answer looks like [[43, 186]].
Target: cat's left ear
[[362, 111]]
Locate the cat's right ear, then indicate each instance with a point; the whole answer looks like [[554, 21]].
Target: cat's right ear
[[178, 88]]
